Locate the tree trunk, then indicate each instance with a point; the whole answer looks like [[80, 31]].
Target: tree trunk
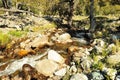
[[6, 3], [92, 19], [71, 4]]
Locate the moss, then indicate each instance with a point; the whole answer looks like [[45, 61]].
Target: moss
[[17, 33]]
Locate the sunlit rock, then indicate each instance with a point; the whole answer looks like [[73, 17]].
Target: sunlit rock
[[61, 72], [99, 42], [11, 24], [111, 73], [73, 48], [115, 49], [87, 51], [99, 45], [22, 45], [39, 41], [79, 76], [79, 54], [53, 55], [17, 27], [54, 78], [64, 37], [86, 65], [46, 67], [80, 41], [73, 69], [26, 44], [113, 59], [111, 46], [28, 47]]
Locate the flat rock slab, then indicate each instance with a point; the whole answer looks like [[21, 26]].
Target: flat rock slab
[[46, 67]]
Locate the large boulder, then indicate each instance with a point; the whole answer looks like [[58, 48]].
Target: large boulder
[[46, 67]]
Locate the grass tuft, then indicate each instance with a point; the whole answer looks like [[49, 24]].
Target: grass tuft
[[17, 33], [43, 27], [4, 38]]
